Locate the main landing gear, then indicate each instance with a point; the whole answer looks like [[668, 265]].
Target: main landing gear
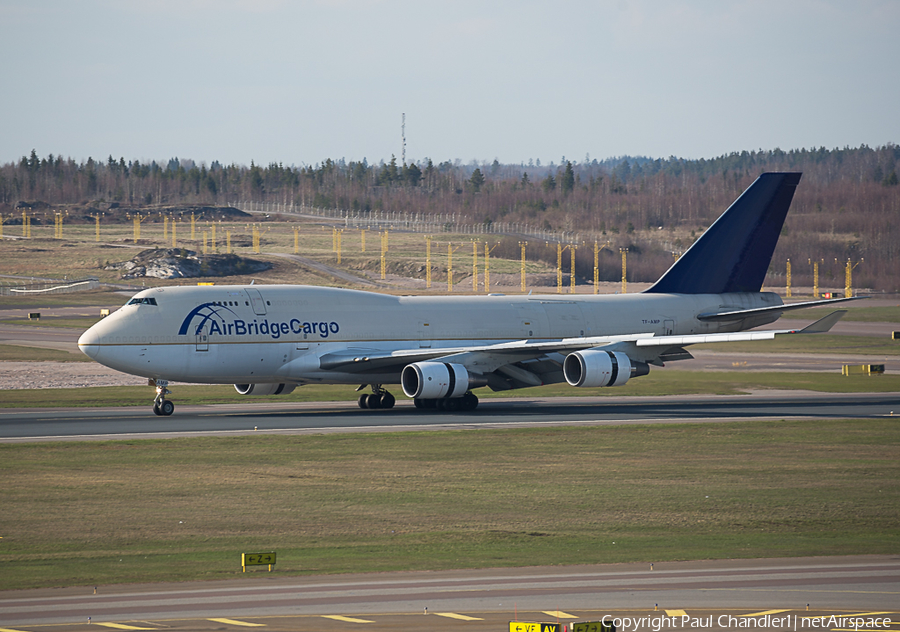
[[467, 402], [381, 399], [378, 398], [161, 405]]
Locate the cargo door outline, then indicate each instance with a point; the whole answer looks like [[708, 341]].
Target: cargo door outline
[[256, 300], [565, 318], [533, 320]]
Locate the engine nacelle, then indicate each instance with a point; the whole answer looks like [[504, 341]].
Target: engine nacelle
[[434, 380], [595, 367], [264, 389]]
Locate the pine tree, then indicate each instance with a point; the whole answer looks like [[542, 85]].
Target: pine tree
[[477, 179]]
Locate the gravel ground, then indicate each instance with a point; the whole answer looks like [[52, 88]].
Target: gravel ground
[[18, 375]]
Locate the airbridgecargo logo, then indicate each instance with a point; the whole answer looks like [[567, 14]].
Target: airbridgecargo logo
[[218, 320]]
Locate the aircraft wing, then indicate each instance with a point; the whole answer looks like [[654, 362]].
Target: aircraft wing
[[488, 358]]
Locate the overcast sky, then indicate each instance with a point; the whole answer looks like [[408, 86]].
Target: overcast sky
[[300, 81]]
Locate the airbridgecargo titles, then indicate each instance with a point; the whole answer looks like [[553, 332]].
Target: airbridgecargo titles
[[268, 340], [218, 325]]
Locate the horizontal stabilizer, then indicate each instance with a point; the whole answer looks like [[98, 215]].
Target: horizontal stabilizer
[[824, 325], [743, 313]]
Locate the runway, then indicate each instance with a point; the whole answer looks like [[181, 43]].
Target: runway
[[477, 600], [24, 425]]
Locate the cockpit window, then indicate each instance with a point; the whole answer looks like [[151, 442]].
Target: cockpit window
[[142, 301]]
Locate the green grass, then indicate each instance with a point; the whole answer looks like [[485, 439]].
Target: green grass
[[184, 509], [91, 298], [854, 313], [658, 383], [16, 353], [72, 322]]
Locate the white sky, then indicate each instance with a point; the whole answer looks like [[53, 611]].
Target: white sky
[[300, 81]]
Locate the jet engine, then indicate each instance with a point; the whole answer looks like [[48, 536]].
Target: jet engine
[[434, 380], [595, 367], [264, 389]]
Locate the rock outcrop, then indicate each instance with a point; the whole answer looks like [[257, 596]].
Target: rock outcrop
[[177, 263]]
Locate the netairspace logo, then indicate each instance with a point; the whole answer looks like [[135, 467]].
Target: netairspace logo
[[787, 622], [219, 320]]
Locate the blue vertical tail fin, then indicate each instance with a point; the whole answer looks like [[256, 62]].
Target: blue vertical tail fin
[[733, 254]]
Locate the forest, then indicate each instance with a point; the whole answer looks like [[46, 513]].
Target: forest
[[847, 207]]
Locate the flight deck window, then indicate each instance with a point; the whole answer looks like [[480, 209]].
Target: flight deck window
[[142, 301]]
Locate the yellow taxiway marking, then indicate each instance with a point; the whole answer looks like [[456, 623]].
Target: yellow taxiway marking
[[559, 614], [762, 614], [338, 617], [243, 623], [9, 630], [675, 613], [461, 617], [122, 626]]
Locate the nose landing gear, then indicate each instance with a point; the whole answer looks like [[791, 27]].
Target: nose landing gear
[[161, 405]]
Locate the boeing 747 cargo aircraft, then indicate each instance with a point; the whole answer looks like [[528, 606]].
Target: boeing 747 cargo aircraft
[[269, 339]]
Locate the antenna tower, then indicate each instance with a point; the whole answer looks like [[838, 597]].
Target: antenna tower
[[403, 136]]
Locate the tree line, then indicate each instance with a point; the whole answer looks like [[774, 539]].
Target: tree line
[[846, 207]]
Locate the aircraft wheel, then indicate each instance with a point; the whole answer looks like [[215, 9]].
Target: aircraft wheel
[[156, 410], [451, 405], [469, 401], [166, 408], [363, 401], [373, 401], [386, 400], [420, 403]]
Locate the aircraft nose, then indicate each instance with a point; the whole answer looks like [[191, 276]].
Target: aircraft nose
[[89, 343]]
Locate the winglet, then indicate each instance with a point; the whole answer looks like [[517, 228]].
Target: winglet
[[823, 324]]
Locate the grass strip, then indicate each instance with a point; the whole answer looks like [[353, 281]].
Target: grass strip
[[658, 383], [185, 509], [18, 353], [883, 314], [90, 298], [81, 323], [817, 344]]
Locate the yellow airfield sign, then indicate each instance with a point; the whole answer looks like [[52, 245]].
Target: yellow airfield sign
[[524, 626], [257, 559]]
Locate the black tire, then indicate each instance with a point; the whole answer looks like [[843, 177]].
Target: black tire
[[373, 401], [451, 405], [363, 401], [386, 401], [420, 403], [469, 401], [156, 410], [166, 408]]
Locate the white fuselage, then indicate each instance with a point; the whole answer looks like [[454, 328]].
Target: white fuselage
[[278, 333]]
